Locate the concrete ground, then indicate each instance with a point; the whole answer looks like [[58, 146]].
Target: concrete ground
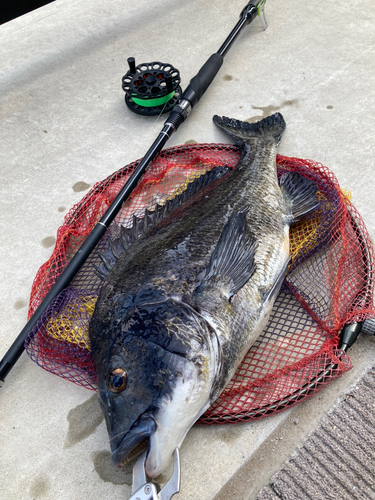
[[337, 459], [64, 126]]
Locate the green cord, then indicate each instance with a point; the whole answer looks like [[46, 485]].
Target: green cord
[[151, 103], [260, 7]]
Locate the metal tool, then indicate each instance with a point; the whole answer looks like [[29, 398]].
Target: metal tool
[[144, 490]]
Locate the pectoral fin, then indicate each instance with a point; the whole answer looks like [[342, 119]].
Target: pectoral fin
[[232, 262]]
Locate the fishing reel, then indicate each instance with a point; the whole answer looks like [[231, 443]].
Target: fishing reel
[[151, 88]]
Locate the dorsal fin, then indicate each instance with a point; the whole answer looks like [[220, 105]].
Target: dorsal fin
[[117, 246], [300, 193], [126, 237]]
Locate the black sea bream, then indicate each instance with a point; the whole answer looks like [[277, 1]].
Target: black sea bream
[[182, 306]]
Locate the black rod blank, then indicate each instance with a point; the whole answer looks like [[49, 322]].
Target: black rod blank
[[197, 87]]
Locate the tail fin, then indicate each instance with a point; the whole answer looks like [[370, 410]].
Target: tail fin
[[272, 126]]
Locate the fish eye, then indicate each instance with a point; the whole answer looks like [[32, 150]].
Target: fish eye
[[117, 380]]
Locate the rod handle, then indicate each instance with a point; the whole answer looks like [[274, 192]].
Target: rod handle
[[202, 80]]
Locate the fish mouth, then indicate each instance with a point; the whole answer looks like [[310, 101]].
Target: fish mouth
[[135, 441]]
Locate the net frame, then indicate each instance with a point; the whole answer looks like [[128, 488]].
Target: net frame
[[279, 370]]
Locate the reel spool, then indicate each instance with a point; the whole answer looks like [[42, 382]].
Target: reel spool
[[151, 88]]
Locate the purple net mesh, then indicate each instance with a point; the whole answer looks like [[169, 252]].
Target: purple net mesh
[[329, 284]]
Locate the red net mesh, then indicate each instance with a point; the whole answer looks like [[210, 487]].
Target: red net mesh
[[329, 284]]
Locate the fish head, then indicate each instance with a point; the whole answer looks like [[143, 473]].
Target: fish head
[[155, 381]]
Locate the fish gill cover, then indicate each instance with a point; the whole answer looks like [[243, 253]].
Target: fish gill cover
[[329, 284]]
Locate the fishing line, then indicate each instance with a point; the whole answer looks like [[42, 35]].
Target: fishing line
[[151, 131], [159, 116], [180, 112]]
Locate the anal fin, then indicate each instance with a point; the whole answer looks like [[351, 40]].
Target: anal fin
[[274, 290]]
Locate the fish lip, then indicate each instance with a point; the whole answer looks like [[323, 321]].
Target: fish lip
[[144, 427]]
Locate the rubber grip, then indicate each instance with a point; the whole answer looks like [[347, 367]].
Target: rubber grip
[[202, 80]]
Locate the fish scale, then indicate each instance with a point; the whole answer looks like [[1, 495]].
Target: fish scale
[[181, 307], [206, 222]]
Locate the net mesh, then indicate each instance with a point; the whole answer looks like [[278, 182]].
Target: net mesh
[[329, 284]]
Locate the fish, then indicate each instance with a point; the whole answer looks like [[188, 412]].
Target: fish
[[180, 308]]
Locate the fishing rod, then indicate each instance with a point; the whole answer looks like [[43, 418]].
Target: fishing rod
[[190, 97]]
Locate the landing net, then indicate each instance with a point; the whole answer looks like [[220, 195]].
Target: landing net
[[329, 284]]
